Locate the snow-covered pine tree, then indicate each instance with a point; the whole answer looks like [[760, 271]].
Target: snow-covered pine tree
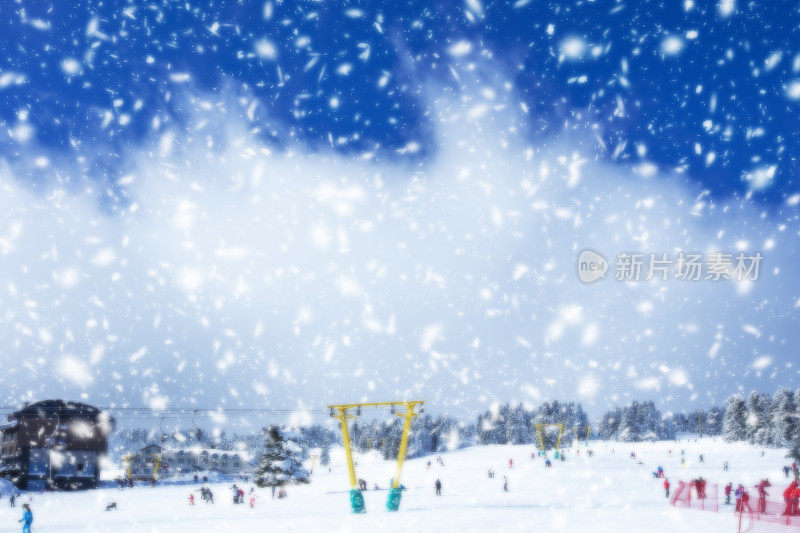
[[712, 422], [794, 449], [518, 428], [629, 426], [391, 437], [492, 427], [758, 408], [782, 419], [325, 456], [281, 462], [666, 428], [734, 422], [609, 425]]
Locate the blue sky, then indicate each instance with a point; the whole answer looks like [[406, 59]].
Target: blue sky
[[236, 203], [708, 88]]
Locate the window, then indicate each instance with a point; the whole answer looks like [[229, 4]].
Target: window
[[37, 465]]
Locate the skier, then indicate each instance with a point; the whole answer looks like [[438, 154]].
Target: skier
[[762, 495], [12, 501], [742, 499], [789, 496], [438, 487], [701, 460], [660, 471], [27, 518], [725, 466], [701, 488], [505, 483], [786, 470], [511, 463], [683, 461], [666, 487], [728, 490], [547, 463], [191, 498]]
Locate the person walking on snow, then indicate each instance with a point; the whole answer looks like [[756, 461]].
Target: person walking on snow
[[12, 502], [27, 518], [728, 490], [666, 487], [438, 487], [762, 494]]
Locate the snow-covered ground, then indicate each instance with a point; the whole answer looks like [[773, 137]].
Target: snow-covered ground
[[609, 492]]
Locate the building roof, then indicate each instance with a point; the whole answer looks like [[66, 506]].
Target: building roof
[[58, 409]]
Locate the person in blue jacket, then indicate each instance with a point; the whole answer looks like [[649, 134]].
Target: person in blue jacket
[[27, 518]]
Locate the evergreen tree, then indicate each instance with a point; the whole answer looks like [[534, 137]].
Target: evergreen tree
[[391, 436], [783, 421], [281, 462], [758, 408], [734, 422], [492, 427], [712, 422], [518, 428], [629, 429], [794, 449], [609, 425], [325, 456]]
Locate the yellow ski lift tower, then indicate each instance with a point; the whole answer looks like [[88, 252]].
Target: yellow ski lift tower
[[588, 431], [340, 412], [541, 441]]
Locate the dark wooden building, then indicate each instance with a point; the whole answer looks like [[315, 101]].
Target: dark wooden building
[[54, 444]]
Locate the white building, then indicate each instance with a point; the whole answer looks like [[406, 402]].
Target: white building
[[189, 461]]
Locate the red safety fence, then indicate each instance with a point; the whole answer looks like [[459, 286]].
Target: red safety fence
[[696, 494], [762, 515]]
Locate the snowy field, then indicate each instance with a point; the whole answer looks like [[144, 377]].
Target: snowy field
[[608, 492]]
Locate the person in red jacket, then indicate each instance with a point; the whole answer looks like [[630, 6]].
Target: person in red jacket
[[762, 495], [701, 488], [666, 487], [728, 490], [788, 496]]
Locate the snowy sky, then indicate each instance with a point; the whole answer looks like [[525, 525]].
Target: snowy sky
[[290, 204]]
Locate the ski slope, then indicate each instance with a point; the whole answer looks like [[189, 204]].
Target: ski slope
[[608, 492]]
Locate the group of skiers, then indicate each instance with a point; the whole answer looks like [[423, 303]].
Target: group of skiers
[[238, 496]]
